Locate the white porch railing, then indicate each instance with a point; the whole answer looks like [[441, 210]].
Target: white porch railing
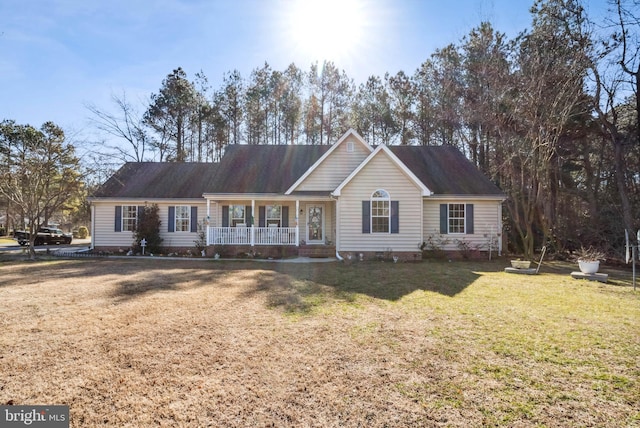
[[229, 236], [275, 235], [244, 236]]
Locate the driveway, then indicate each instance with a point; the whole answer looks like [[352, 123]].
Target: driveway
[[9, 245]]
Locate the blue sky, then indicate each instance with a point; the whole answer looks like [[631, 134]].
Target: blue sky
[[58, 55]]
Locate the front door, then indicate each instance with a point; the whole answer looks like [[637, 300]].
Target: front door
[[315, 224]]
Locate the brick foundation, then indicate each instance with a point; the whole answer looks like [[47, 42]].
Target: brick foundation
[[276, 252], [403, 256]]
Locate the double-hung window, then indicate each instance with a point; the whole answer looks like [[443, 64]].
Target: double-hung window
[[274, 215], [129, 218], [237, 215], [183, 218], [380, 211], [456, 218]]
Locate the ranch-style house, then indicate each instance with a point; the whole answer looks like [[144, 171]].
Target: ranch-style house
[[348, 199]]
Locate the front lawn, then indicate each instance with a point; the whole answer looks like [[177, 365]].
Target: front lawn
[[219, 343]]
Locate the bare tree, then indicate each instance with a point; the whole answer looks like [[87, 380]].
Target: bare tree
[[552, 66], [126, 125], [616, 71]]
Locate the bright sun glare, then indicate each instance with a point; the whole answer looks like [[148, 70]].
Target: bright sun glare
[[327, 29]]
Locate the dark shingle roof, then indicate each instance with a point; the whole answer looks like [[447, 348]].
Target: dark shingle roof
[[264, 169], [159, 180], [445, 170], [273, 169]]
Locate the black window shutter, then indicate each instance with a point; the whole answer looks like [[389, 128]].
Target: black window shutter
[[444, 211], [140, 214], [225, 216], [172, 219], [194, 219], [395, 217], [262, 214], [366, 217], [469, 219], [285, 216], [248, 215], [118, 222]]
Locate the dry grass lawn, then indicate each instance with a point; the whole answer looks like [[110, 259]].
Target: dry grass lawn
[[139, 343]]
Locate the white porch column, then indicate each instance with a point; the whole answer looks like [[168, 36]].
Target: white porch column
[[297, 223], [337, 224], [253, 215], [207, 223]]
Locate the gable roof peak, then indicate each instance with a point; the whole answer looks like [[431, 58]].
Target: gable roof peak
[[387, 151], [350, 133]]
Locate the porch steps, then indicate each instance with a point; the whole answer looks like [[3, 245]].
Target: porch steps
[[317, 251]]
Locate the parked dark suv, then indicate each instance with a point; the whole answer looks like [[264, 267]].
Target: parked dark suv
[[46, 235]]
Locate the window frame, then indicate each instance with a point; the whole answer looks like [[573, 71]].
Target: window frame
[[458, 221], [128, 223], [182, 223], [234, 221], [380, 209], [268, 211]]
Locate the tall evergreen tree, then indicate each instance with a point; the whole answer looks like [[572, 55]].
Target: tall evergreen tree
[[424, 126], [171, 110], [403, 99]]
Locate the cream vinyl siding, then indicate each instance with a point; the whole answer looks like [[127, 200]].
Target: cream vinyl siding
[[486, 214], [104, 225], [336, 167], [380, 173], [215, 218], [180, 239]]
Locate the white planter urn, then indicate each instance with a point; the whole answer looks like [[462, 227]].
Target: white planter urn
[[520, 264], [589, 267]]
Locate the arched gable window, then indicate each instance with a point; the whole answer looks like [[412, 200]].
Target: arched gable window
[[380, 214], [380, 211]]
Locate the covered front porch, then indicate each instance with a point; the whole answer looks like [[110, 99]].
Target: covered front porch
[[270, 221]]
